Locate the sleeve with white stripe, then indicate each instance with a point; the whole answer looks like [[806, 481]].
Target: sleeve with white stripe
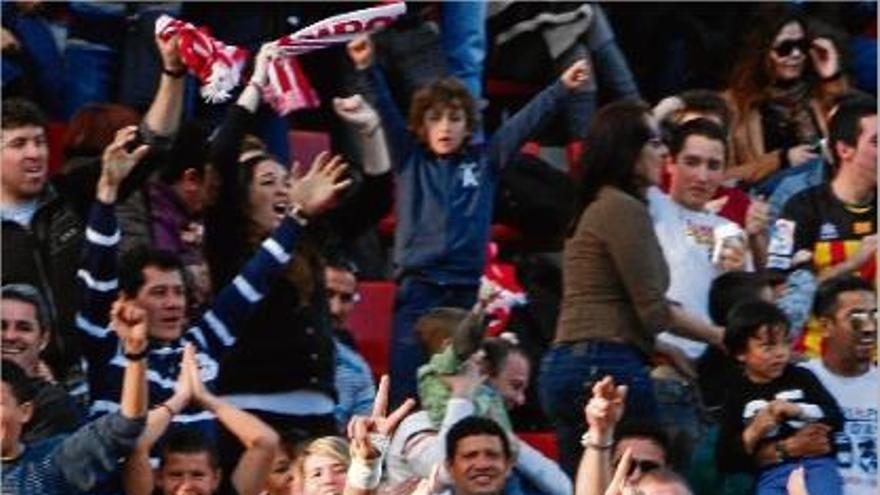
[[98, 283], [217, 328]]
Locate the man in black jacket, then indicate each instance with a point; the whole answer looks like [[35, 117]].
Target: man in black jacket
[[42, 236]]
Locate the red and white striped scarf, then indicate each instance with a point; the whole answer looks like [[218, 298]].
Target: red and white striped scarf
[[288, 88], [218, 66]]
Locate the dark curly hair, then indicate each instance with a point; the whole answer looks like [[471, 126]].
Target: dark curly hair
[[445, 92]]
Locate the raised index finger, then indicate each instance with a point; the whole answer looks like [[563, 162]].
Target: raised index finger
[[619, 478], [380, 406]]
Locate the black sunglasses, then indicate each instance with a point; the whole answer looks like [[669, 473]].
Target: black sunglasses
[[787, 47]]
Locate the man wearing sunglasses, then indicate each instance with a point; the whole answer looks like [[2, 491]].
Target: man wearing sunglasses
[[846, 308]]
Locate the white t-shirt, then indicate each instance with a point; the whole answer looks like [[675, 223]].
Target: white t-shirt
[[856, 445], [687, 238]]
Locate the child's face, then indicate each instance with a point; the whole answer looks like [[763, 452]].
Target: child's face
[[445, 128], [766, 354]]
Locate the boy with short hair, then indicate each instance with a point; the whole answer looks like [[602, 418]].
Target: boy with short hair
[[446, 187], [770, 405]]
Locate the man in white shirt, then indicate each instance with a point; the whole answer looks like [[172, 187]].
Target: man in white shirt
[[846, 308], [688, 230], [698, 245]]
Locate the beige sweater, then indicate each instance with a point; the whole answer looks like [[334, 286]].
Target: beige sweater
[[615, 277], [751, 161]]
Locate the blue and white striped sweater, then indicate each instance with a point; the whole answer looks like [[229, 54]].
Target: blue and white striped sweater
[[212, 333]]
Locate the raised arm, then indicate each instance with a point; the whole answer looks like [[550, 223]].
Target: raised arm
[[129, 321], [163, 116], [137, 472], [468, 335], [602, 413], [364, 120], [310, 195], [91, 452], [97, 276], [536, 114], [226, 145], [373, 198], [369, 438], [258, 438], [361, 53]]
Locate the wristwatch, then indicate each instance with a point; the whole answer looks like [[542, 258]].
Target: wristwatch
[[297, 213], [781, 451], [136, 356]]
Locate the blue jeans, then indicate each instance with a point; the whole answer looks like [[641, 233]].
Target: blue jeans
[[414, 299], [568, 372], [820, 472], [679, 411], [463, 35]]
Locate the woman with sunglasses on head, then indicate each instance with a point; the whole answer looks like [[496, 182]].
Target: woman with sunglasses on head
[[615, 279], [782, 88]]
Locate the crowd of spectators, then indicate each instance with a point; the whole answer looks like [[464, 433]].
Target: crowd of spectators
[[683, 299]]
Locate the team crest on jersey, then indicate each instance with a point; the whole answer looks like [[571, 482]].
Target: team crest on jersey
[[828, 231], [863, 228], [469, 175]]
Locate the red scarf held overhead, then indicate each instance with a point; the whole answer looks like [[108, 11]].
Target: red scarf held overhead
[[288, 88], [217, 65]]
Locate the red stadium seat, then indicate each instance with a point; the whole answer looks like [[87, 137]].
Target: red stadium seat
[[544, 441], [371, 321], [305, 145], [55, 132]]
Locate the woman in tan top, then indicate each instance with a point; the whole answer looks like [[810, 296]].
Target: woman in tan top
[[614, 279], [782, 89]]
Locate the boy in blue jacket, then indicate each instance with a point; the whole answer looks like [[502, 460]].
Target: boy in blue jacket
[[446, 184]]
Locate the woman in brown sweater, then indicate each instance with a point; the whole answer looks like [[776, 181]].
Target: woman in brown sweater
[[614, 279]]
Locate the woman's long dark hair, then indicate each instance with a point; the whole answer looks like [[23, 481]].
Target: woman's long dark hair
[[229, 235], [750, 74], [612, 148]]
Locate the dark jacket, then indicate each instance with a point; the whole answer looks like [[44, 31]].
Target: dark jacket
[[55, 413], [745, 399], [444, 204], [287, 343], [212, 333], [46, 255], [75, 463]]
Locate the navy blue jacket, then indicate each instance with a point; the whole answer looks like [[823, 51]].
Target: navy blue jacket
[[444, 204]]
